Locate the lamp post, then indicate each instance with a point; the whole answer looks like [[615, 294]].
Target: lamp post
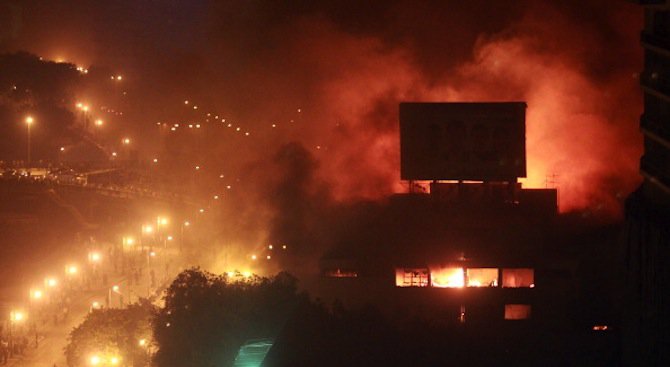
[[115, 289], [15, 317], [36, 296], [181, 237], [29, 121]]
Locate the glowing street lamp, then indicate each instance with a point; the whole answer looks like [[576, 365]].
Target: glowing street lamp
[[71, 270], [181, 237], [125, 141], [99, 122], [95, 360], [147, 229], [94, 257], [15, 317], [51, 282], [29, 121], [36, 294], [116, 289], [128, 243]]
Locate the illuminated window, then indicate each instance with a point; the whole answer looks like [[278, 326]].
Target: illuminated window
[[411, 277], [517, 312], [447, 277], [482, 277], [518, 278]]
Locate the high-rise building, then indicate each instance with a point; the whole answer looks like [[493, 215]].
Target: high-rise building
[[646, 327]]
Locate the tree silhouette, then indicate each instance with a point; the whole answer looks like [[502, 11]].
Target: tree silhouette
[[108, 333], [207, 318]]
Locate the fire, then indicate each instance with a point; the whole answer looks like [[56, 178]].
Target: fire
[[482, 277], [447, 277]]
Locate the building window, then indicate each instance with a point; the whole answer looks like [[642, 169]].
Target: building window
[[411, 277], [447, 277], [518, 278], [481, 277], [517, 312]]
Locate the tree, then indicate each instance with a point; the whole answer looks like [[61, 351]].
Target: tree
[[207, 318], [112, 333]]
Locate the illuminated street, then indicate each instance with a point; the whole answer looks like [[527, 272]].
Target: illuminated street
[[326, 183]]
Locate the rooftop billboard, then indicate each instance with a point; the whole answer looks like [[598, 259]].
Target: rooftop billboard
[[463, 141]]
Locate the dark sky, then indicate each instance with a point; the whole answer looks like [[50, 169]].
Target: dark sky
[[346, 64]]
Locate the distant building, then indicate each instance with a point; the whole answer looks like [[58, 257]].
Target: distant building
[[467, 250], [646, 328]]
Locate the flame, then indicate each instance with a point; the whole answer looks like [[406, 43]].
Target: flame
[[482, 277], [447, 277]]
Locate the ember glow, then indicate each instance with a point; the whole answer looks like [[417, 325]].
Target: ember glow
[[482, 277], [447, 277]]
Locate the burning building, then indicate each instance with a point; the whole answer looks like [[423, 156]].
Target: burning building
[[466, 248]]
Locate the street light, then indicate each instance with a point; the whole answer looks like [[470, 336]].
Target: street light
[[71, 270], [51, 282], [36, 294], [128, 243], [15, 317], [29, 121], [116, 289], [35, 297], [94, 257]]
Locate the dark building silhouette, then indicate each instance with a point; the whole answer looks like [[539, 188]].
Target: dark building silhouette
[[646, 327], [497, 273], [479, 231]]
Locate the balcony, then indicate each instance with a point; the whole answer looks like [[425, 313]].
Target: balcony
[[655, 172], [656, 85], [655, 130]]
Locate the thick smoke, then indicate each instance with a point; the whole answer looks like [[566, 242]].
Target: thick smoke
[[317, 85]]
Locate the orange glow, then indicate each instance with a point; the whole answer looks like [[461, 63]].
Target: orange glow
[[482, 277], [94, 257], [411, 277], [518, 278], [517, 312], [447, 277], [36, 294]]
